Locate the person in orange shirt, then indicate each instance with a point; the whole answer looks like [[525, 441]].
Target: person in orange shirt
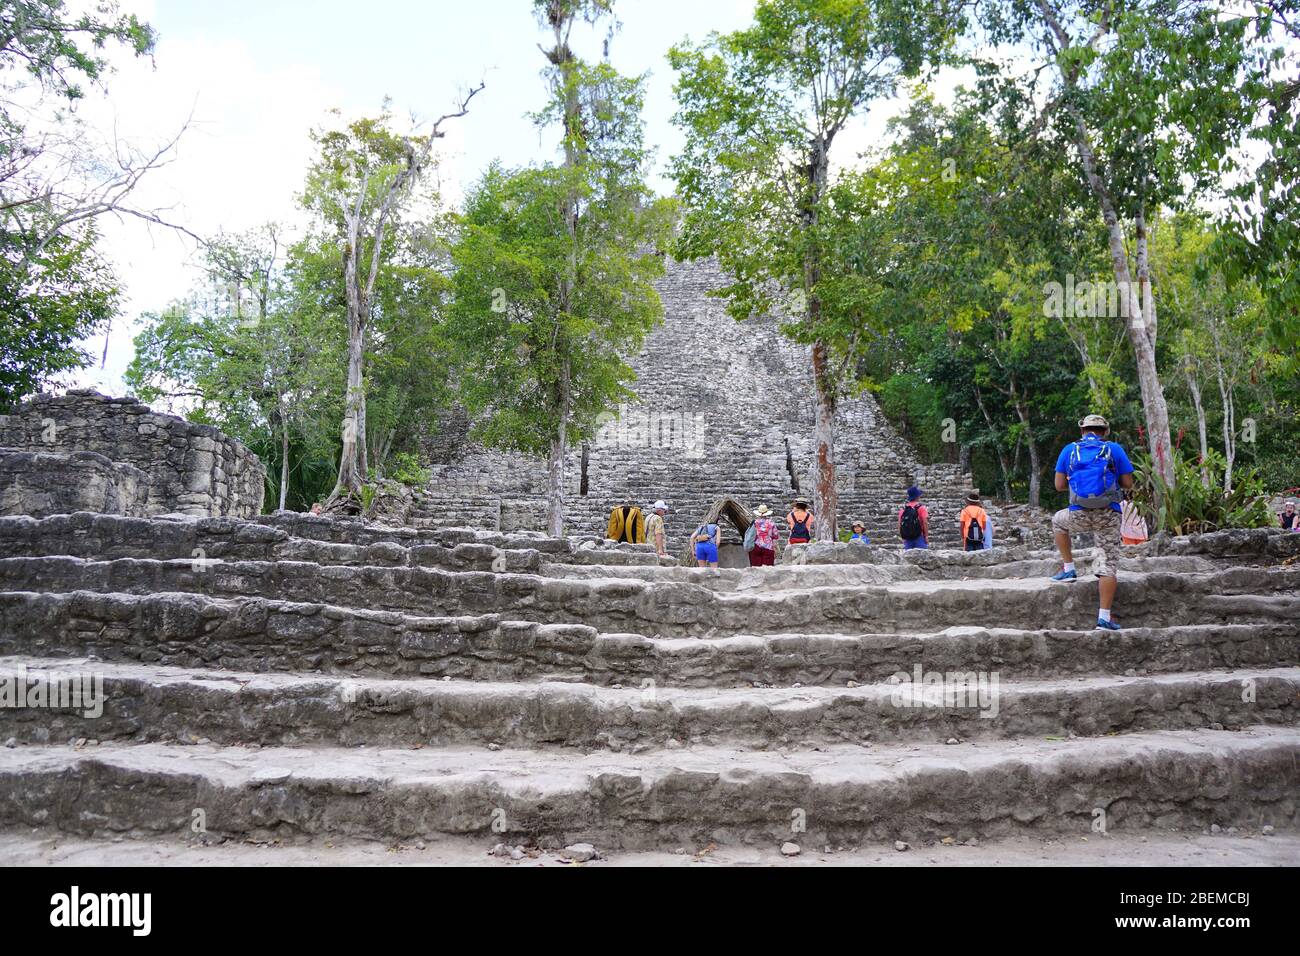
[[974, 519]]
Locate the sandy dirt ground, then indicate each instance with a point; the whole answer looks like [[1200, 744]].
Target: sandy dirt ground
[[50, 848]]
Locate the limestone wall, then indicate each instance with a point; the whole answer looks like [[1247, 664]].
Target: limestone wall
[[41, 484], [191, 469]]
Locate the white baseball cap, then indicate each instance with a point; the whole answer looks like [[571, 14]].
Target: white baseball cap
[[660, 506]]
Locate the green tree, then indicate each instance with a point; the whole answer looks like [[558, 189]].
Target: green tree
[[49, 306], [762, 109], [1146, 102], [554, 265], [942, 244], [236, 354], [1261, 226], [55, 287], [359, 187], [1221, 330]]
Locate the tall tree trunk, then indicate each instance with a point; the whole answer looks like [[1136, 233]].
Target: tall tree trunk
[[826, 495], [1002, 458], [352, 459], [561, 17], [1229, 405], [1202, 432], [824, 441], [1229, 430], [284, 455], [1138, 307], [351, 477], [1035, 465], [559, 448], [1035, 474]]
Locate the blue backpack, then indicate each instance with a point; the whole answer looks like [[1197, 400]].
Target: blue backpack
[[1093, 483]]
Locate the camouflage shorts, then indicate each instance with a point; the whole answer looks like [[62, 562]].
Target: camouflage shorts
[[1104, 525]]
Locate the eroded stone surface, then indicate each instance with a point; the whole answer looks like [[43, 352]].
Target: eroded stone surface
[[192, 469], [1166, 779], [302, 678], [41, 484]]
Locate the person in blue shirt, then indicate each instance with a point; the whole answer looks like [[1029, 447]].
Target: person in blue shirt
[[860, 533], [1095, 472]]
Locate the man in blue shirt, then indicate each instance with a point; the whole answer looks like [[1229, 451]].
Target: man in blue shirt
[[1095, 472]]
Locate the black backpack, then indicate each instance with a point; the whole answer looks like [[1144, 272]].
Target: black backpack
[[909, 526], [974, 533]]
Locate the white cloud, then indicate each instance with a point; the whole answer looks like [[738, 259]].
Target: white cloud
[[240, 163]]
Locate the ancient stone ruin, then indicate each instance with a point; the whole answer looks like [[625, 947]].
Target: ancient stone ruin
[[311, 678], [86, 452], [724, 409], [228, 676]]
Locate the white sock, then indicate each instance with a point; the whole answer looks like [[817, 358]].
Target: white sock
[[1069, 566], [1103, 614]]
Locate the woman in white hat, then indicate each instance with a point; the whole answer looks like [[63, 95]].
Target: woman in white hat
[[766, 535]]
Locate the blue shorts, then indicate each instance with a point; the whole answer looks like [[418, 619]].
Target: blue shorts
[[915, 543], [706, 551]]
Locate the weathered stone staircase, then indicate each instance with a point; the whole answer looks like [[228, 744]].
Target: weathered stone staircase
[[300, 678]]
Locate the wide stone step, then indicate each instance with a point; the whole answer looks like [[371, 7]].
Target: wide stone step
[[149, 703], [838, 794], [107, 537], [1235, 595], [190, 630], [875, 566]]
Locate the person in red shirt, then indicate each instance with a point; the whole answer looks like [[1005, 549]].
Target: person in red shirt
[[766, 535], [910, 525]]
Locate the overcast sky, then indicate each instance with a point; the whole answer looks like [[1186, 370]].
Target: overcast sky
[[253, 77]]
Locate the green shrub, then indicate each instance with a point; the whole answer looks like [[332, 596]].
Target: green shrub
[[406, 469], [1198, 503], [368, 494]]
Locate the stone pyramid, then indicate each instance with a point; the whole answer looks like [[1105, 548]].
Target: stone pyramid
[[723, 409]]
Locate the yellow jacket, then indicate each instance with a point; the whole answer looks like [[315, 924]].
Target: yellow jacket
[[626, 524]]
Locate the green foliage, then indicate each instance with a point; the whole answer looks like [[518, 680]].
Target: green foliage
[[761, 109], [260, 348], [916, 405], [961, 256], [407, 470], [515, 343], [49, 305], [60, 49], [355, 161], [55, 287], [554, 263], [1197, 503], [1260, 228]]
